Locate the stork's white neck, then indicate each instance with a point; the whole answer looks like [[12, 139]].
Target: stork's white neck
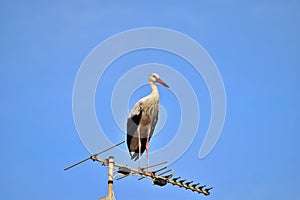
[[154, 92]]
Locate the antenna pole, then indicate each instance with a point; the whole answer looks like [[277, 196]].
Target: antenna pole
[[110, 176]]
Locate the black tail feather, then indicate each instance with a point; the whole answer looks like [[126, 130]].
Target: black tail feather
[[134, 156]]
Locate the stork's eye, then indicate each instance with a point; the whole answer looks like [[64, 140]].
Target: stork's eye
[[154, 76]]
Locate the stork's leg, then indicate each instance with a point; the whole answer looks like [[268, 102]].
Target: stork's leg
[[140, 146], [147, 150]]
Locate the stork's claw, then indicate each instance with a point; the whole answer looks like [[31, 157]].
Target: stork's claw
[[152, 174]]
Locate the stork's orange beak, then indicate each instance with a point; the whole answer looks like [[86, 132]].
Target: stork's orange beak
[[162, 82]]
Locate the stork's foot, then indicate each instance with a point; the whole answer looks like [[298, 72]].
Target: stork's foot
[[152, 174]]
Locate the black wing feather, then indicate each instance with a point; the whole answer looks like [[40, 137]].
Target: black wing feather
[[132, 125]]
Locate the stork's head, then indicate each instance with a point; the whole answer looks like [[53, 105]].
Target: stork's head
[[154, 77]]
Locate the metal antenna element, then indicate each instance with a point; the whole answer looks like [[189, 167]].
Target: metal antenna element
[[154, 165], [169, 170], [105, 150], [201, 187], [194, 185], [175, 179], [188, 183]]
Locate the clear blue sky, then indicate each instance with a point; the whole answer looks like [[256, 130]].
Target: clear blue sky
[[255, 45]]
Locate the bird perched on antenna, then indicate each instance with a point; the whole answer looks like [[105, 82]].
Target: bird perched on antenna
[[142, 120]]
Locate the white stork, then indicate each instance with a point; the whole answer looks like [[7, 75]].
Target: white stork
[[142, 120]]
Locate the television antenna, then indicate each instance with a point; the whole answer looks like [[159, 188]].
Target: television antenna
[[161, 176]]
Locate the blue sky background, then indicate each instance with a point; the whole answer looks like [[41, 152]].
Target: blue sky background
[[255, 45]]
